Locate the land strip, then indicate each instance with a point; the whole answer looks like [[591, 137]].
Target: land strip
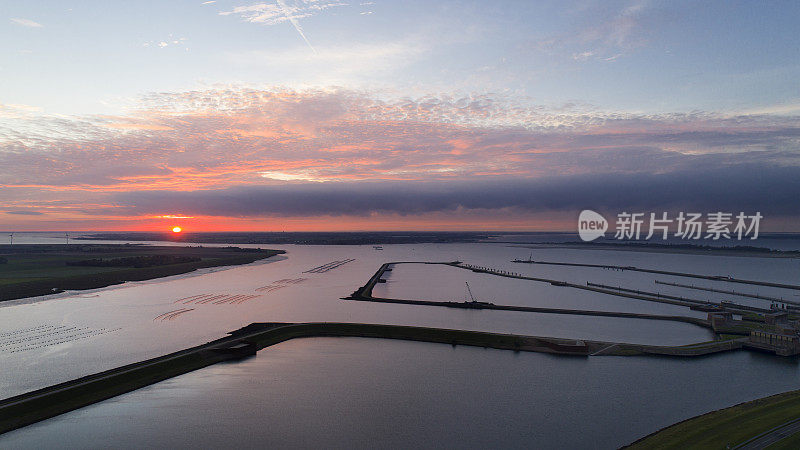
[[727, 279], [578, 312], [729, 292], [755, 424], [29, 270], [746, 251], [365, 292]]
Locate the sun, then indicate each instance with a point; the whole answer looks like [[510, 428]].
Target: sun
[[177, 230]]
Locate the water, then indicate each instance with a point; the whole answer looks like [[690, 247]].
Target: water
[[367, 393], [130, 310], [431, 391]]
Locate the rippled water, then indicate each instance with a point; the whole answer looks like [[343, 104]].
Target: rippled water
[[125, 324]]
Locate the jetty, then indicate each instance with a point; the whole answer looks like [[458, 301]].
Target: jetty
[[771, 330], [725, 278], [364, 294], [730, 292]]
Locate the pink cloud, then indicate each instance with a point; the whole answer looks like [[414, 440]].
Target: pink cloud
[[239, 137]]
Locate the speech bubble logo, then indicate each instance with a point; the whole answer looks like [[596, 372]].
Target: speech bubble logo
[[591, 225]]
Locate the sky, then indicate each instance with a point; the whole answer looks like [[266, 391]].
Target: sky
[[304, 115]]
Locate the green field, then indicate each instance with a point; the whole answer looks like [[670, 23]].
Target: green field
[[729, 427], [32, 270]]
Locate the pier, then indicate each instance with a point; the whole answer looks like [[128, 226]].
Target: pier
[[675, 300], [577, 312], [724, 291], [767, 329], [329, 266], [619, 291], [727, 279], [366, 290], [364, 294]]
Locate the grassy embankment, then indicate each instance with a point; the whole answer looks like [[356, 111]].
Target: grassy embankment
[[33, 270], [729, 426]]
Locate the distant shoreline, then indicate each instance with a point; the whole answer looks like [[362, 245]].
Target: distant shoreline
[[687, 249], [450, 237]]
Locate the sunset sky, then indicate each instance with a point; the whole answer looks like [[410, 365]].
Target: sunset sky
[[390, 115]]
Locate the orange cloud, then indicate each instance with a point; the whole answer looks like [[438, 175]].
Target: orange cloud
[[219, 139]]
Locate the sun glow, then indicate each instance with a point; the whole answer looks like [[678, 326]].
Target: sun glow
[[177, 230]]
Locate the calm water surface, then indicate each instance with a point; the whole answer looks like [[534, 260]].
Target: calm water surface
[[364, 393]]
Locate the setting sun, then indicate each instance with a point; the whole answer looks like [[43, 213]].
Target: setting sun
[[177, 230]]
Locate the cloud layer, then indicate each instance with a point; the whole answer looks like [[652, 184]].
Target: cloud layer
[[747, 188], [248, 153]]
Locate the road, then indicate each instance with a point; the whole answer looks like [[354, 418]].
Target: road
[[772, 436]]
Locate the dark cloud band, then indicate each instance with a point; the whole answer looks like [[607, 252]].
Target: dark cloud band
[[769, 189]]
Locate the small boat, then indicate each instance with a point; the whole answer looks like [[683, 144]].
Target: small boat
[[377, 247], [528, 261]]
